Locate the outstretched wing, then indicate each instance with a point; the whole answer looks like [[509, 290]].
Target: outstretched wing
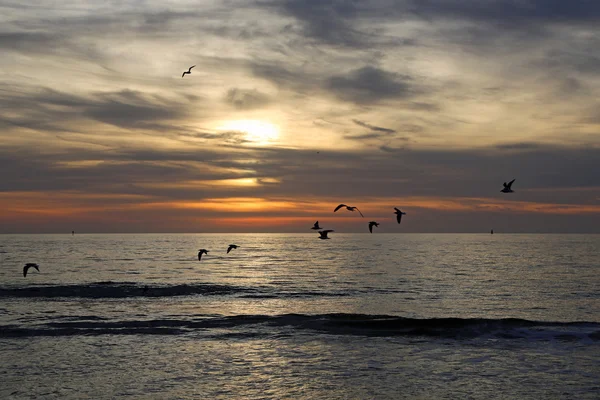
[[509, 184], [25, 268], [191, 68], [229, 249], [338, 207], [399, 216], [200, 256], [371, 227], [184, 72], [359, 212]]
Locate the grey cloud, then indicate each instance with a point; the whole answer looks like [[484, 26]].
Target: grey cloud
[[125, 108], [371, 85], [244, 99], [510, 12], [373, 127], [378, 172], [328, 22], [364, 136]]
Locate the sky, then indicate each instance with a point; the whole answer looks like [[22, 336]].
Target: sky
[[295, 106]]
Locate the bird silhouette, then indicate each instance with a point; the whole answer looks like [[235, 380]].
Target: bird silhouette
[[371, 225], [189, 71], [349, 208], [324, 234], [200, 252], [507, 187], [29, 265], [399, 214], [231, 246], [316, 226]]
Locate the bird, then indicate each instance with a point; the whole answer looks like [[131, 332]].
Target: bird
[[349, 208], [507, 188], [371, 225], [200, 252], [324, 233], [231, 246], [189, 71], [29, 265], [399, 214], [316, 226]]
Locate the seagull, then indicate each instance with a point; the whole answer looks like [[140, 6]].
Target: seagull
[[316, 226], [200, 252], [507, 188], [371, 225], [231, 246], [324, 233], [399, 214], [189, 71], [349, 208], [29, 265]]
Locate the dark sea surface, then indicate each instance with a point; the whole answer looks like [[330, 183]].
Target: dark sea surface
[[289, 316]]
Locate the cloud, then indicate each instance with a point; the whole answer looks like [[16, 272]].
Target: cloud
[[244, 99], [373, 127], [125, 108], [371, 85]]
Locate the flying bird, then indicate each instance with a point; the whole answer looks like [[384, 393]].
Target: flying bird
[[316, 226], [200, 252], [231, 246], [507, 188], [371, 225], [399, 214], [324, 233], [349, 208], [189, 71], [29, 265]]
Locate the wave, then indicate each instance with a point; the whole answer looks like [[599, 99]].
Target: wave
[[118, 290], [335, 324]]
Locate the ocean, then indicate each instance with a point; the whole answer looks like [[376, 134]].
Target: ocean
[[289, 316]]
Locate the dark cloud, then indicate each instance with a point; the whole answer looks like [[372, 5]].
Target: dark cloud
[[520, 146], [125, 108], [244, 99], [364, 136], [509, 12], [327, 22], [378, 172], [373, 127], [371, 85]]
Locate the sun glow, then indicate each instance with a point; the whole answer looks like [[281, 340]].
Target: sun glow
[[258, 132]]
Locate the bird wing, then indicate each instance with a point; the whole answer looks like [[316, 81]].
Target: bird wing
[[399, 217], [359, 212], [25, 268], [191, 68], [340, 206], [398, 211], [371, 227], [510, 183], [184, 72]]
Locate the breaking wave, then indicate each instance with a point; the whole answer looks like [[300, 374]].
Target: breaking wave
[[335, 324], [118, 290]]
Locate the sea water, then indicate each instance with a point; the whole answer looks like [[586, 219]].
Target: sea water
[[289, 316]]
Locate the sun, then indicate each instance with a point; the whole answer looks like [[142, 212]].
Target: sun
[[258, 132]]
